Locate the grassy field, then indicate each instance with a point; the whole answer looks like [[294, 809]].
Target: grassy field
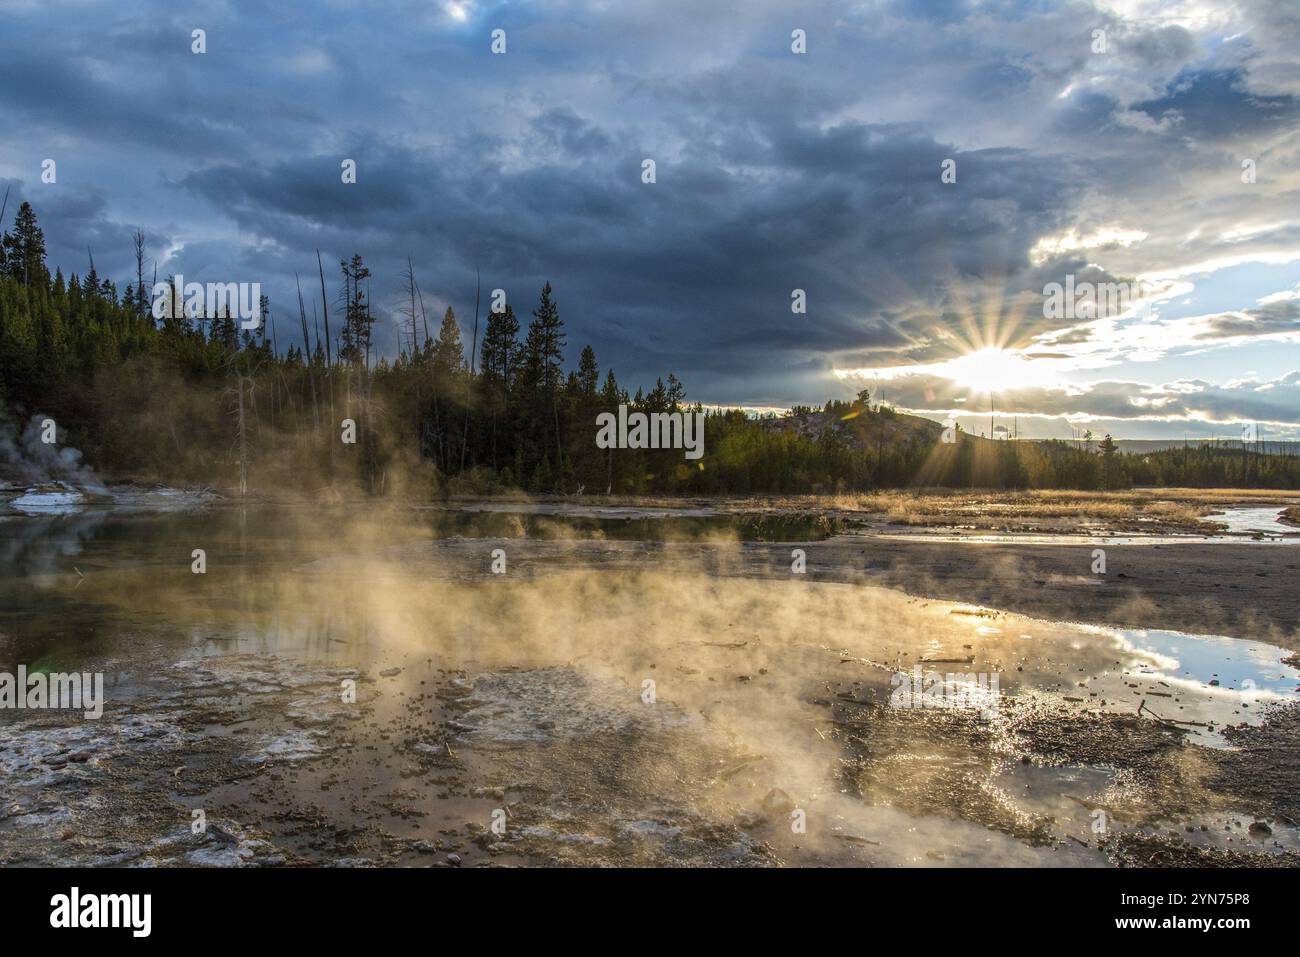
[[1156, 510], [1149, 509]]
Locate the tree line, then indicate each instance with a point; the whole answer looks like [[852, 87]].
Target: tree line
[[190, 397]]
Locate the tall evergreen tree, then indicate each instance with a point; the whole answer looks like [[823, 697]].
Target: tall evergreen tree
[[357, 321], [24, 249], [498, 367], [588, 373], [546, 342], [449, 350], [544, 361], [500, 355]]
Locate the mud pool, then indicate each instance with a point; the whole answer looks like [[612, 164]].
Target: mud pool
[[358, 688]]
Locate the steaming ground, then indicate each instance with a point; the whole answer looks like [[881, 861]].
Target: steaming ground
[[524, 697]]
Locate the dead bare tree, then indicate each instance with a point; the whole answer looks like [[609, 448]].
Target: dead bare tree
[[242, 382], [138, 242], [270, 321], [437, 426], [306, 352], [329, 360], [411, 292], [473, 355], [409, 311]]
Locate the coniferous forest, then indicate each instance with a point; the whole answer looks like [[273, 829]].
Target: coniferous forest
[[193, 398]]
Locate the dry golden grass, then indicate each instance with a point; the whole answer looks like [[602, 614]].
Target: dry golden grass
[[1146, 509], [1048, 510]]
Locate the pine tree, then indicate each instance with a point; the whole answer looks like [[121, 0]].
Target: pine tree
[[500, 359], [546, 342], [224, 331], [449, 350], [676, 392], [611, 396], [357, 321], [500, 356], [24, 249], [544, 361], [588, 373]]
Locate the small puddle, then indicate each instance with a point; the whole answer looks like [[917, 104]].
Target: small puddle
[[41, 501], [1253, 521], [1226, 666], [1203, 683], [1043, 538], [1241, 525]]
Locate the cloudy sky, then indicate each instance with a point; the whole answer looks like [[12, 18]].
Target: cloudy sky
[[1122, 157]]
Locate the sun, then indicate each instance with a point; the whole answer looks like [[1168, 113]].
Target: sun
[[989, 369], [992, 370]]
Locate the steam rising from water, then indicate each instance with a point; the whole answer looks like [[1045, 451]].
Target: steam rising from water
[[766, 685], [34, 461]]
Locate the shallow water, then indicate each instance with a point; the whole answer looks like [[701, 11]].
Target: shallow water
[[1247, 669], [1242, 524], [48, 502], [527, 691], [1251, 521]]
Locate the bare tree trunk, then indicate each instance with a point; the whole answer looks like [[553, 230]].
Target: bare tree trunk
[[329, 361], [410, 293], [439, 456], [307, 357], [243, 454], [473, 355], [139, 272], [559, 449]]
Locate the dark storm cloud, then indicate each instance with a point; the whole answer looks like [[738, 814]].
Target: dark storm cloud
[[701, 263], [775, 171], [69, 98], [79, 226]]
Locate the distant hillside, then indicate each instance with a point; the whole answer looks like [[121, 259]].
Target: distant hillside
[[856, 444], [862, 427], [1269, 447], [882, 422]]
